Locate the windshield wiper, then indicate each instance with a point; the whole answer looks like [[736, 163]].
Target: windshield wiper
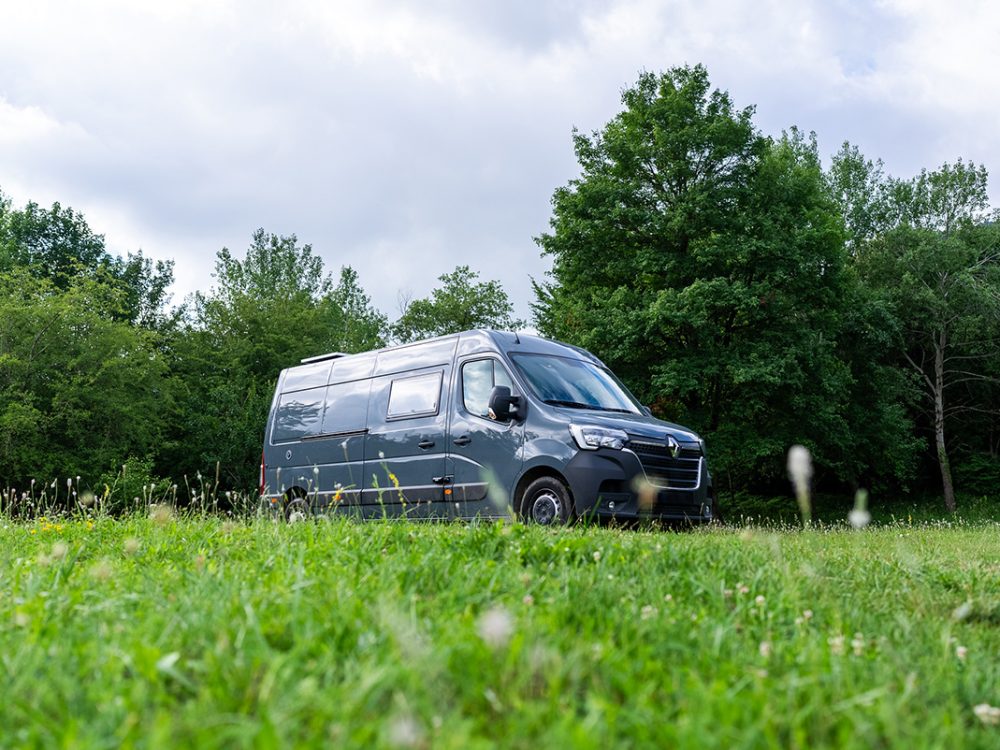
[[571, 404], [578, 405]]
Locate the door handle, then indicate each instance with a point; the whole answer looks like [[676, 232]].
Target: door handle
[[464, 440], [425, 444]]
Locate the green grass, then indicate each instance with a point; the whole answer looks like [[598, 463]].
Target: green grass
[[208, 633]]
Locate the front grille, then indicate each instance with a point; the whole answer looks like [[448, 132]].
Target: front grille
[[663, 470]]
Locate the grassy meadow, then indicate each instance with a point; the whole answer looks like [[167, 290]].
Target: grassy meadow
[[169, 630]]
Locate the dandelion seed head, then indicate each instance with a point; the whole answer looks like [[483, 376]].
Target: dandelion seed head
[[800, 469], [495, 627], [160, 514], [59, 550], [647, 612], [962, 611], [859, 518], [131, 546], [987, 714], [101, 570], [765, 649], [405, 731], [961, 652], [759, 600]]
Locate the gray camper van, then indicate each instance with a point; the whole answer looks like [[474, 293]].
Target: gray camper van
[[476, 424]]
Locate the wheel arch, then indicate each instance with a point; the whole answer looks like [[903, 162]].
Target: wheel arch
[[536, 472]]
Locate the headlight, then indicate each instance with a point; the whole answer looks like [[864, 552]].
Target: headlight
[[590, 437]]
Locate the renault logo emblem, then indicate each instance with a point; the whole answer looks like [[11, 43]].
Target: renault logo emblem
[[673, 446]]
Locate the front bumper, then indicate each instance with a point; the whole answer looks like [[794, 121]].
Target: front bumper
[[611, 483]]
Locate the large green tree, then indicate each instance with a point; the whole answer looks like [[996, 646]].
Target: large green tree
[[266, 311], [938, 268], [706, 264], [461, 303], [59, 245], [80, 389]]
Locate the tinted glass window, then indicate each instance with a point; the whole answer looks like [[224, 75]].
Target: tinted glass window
[[346, 407], [418, 355], [575, 384], [352, 368], [478, 379], [410, 397], [306, 376], [299, 415]]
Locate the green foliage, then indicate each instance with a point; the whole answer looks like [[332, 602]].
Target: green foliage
[[131, 487], [937, 272], [706, 264], [461, 303], [58, 245], [79, 388], [267, 311], [496, 635]]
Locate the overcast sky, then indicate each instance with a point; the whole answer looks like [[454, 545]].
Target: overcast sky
[[407, 138]]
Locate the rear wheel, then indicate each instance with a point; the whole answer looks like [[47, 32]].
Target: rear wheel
[[547, 502], [297, 507]]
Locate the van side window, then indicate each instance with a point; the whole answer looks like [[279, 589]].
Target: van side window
[[346, 407], [414, 397], [299, 415], [478, 379]]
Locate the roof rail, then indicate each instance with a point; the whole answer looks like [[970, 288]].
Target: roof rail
[[321, 357]]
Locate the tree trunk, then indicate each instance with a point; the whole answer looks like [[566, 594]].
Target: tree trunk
[[942, 451]]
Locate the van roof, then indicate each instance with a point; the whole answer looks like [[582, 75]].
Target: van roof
[[482, 339]]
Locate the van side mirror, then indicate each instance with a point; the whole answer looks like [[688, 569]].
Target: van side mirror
[[503, 406], [647, 411]]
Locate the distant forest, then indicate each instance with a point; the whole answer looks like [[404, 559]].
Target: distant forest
[[735, 284]]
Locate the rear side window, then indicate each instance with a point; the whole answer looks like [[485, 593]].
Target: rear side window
[[346, 407], [478, 379], [299, 415], [414, 397]]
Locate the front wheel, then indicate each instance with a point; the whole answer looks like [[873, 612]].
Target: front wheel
[[547, 502]]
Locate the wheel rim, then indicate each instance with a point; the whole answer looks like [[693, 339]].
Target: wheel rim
[[297, 510], [546, 508]]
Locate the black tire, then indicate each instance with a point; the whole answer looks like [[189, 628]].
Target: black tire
[[297, 507], [547, 502]]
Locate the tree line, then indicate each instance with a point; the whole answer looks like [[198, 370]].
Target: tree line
[[734, 283]]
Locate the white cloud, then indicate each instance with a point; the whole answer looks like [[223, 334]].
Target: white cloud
[[405, 139]]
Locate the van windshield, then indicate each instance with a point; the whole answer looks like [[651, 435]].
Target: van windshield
[[574, 383]]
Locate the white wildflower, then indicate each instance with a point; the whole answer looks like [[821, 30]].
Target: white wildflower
[[987, 714], [405, 731], [859, 518], [495, 627], [800, 471]]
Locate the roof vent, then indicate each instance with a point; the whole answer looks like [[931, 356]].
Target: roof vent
[[321, 357]]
